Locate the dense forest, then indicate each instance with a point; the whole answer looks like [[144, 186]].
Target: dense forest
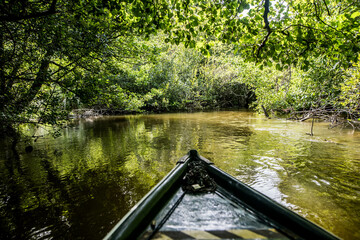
[[293, 57]]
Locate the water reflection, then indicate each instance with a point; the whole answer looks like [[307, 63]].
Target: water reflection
[[79, 185]]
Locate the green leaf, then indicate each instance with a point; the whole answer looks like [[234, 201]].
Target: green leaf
[[258, 18], [278, 67], [236, 50], [204, 51], [355, 14]]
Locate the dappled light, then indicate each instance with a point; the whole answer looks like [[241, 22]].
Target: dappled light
[[99, 99], [80, 184]]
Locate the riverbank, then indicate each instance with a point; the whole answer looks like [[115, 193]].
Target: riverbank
[[335, 118]]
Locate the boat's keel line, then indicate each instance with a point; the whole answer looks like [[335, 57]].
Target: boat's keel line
[[219, 234]]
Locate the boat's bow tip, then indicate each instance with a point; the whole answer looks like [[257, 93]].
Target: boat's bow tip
[[193, 153]]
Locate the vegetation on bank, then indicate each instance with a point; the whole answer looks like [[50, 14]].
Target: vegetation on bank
[[295, 57], [175, 79], [183, 79]]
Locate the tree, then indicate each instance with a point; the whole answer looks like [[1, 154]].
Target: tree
[[285, 32], [52, 52]]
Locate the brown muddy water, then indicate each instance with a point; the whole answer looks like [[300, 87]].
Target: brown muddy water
[[81, 184]]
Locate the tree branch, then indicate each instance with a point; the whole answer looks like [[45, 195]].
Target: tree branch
[[14, 17], [40, 79], [265, 16], [327, 9], [267, 27]]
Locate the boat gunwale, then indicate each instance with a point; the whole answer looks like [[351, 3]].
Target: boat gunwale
[[287, 221], [138, 215], [273, 212]]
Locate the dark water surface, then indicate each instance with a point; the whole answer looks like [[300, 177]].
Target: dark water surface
[[79, 185]]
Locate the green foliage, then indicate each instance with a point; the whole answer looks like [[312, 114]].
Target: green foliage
[[326, 90], [53, 56], [297, 90], [289, 33], [61, 55], [350, 90], [182, 79]]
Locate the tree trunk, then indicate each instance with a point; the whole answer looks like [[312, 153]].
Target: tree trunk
[[2, 72], [265, 112], [41, 77]]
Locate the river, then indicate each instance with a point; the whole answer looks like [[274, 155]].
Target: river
[[79, 185]]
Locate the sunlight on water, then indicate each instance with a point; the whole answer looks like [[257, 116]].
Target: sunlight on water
[[218, 213], [79, 185]]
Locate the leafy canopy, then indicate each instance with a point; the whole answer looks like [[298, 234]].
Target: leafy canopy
[[284, 32], [54, 54]]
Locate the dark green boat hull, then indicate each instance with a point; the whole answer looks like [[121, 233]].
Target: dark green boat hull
[[147, 220]]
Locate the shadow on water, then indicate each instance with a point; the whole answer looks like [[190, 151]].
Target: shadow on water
[[79, 185], [39, 202]]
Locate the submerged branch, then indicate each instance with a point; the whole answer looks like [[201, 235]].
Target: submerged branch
[[336, 117]]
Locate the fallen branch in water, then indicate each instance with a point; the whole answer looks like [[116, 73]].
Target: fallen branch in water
[[336, 117]]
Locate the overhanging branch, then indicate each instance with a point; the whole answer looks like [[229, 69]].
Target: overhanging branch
[[267, 27], [15, 17]]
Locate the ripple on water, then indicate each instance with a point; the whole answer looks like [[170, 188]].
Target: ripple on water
[[79, 185]]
